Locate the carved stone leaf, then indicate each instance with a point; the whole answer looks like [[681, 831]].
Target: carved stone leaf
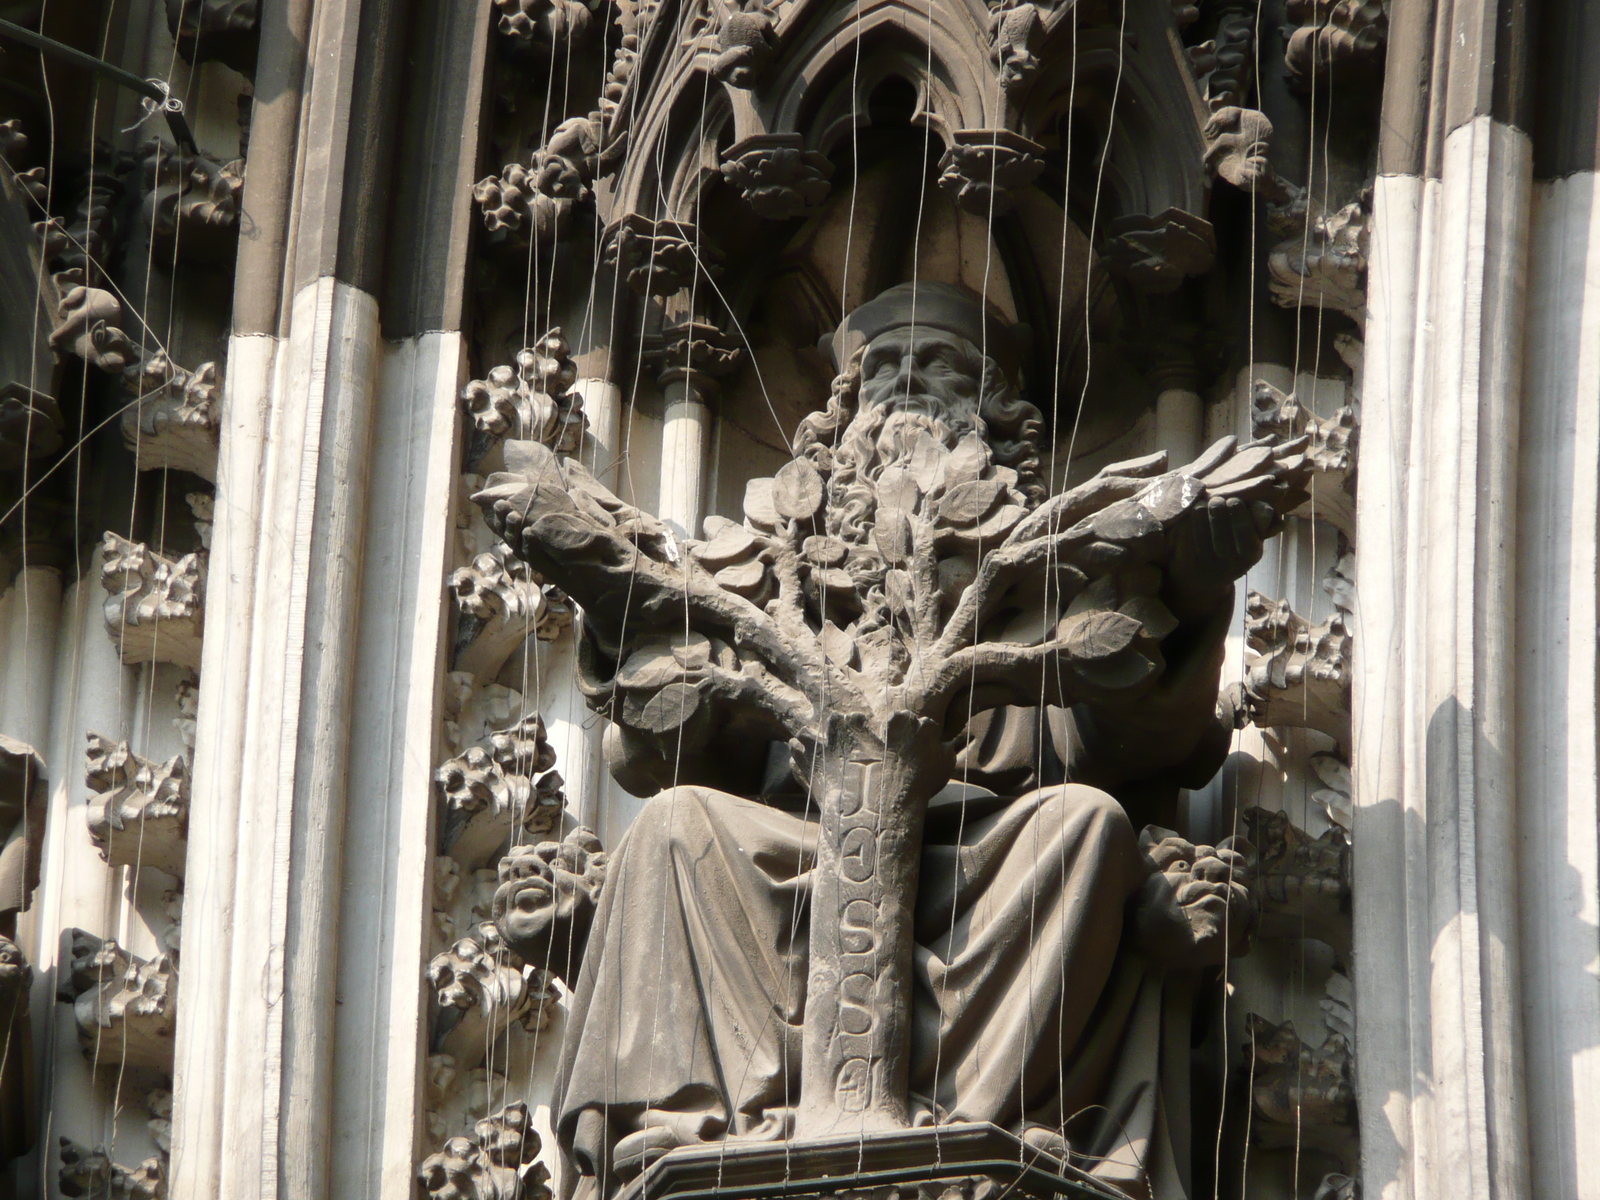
[[892, 535], [967, 503], [1096, 636], [745, 578], [797, 490], [668, 709]]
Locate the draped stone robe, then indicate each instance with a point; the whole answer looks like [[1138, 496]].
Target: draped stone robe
[[1031, 1010]]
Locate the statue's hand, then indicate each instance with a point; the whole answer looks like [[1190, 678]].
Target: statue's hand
[[1214, 546], [546, 900], [1195, 909]]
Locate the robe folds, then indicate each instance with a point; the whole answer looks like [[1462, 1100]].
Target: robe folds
[[1030, 1009]]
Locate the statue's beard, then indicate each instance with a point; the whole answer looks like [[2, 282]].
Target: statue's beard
[[887, 436]]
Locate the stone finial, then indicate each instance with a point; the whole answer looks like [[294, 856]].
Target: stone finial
[[981, 166], [155, 606], [139, 816], [776, 175]]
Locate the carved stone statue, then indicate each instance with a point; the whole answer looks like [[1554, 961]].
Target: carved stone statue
[[897, 721]]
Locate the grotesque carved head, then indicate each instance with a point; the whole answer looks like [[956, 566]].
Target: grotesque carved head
[[1237, 144]]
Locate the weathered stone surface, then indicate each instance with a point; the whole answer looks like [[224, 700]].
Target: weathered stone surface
[[1299, 673], [140, 814], [155, 605], [126, 1007], [860, 672]]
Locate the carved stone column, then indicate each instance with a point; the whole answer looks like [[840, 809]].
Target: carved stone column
[[691, 360], [1436, 818]]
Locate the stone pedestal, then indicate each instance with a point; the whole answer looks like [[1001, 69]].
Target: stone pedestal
[[945, 1162]]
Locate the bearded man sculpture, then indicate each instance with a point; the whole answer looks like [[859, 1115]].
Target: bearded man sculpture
[[886, 880]]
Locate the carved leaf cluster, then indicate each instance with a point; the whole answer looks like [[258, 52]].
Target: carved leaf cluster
[[154, 606], [1300, 672], [531, 399], [503, 783], [126, 1007], [139, 816], [496, 1163]]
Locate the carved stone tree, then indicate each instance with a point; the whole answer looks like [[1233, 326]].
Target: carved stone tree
[[863, 617]]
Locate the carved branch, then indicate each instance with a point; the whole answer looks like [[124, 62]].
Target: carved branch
[[140, 817], [126, 1007], [177, 420], [1300, 673], [155, 609]]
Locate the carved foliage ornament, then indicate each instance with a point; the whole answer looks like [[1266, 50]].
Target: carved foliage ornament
[[126, 1007], [504, 782], [537, 200], [140, 814], [176, 421], [1300, 672], [659, 258], [532, 399], [155, 605], [496, 1163], [981, 166], [1335, 41], [777, 176]]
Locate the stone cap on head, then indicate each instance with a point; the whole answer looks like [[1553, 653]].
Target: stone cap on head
[[927, 305]]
